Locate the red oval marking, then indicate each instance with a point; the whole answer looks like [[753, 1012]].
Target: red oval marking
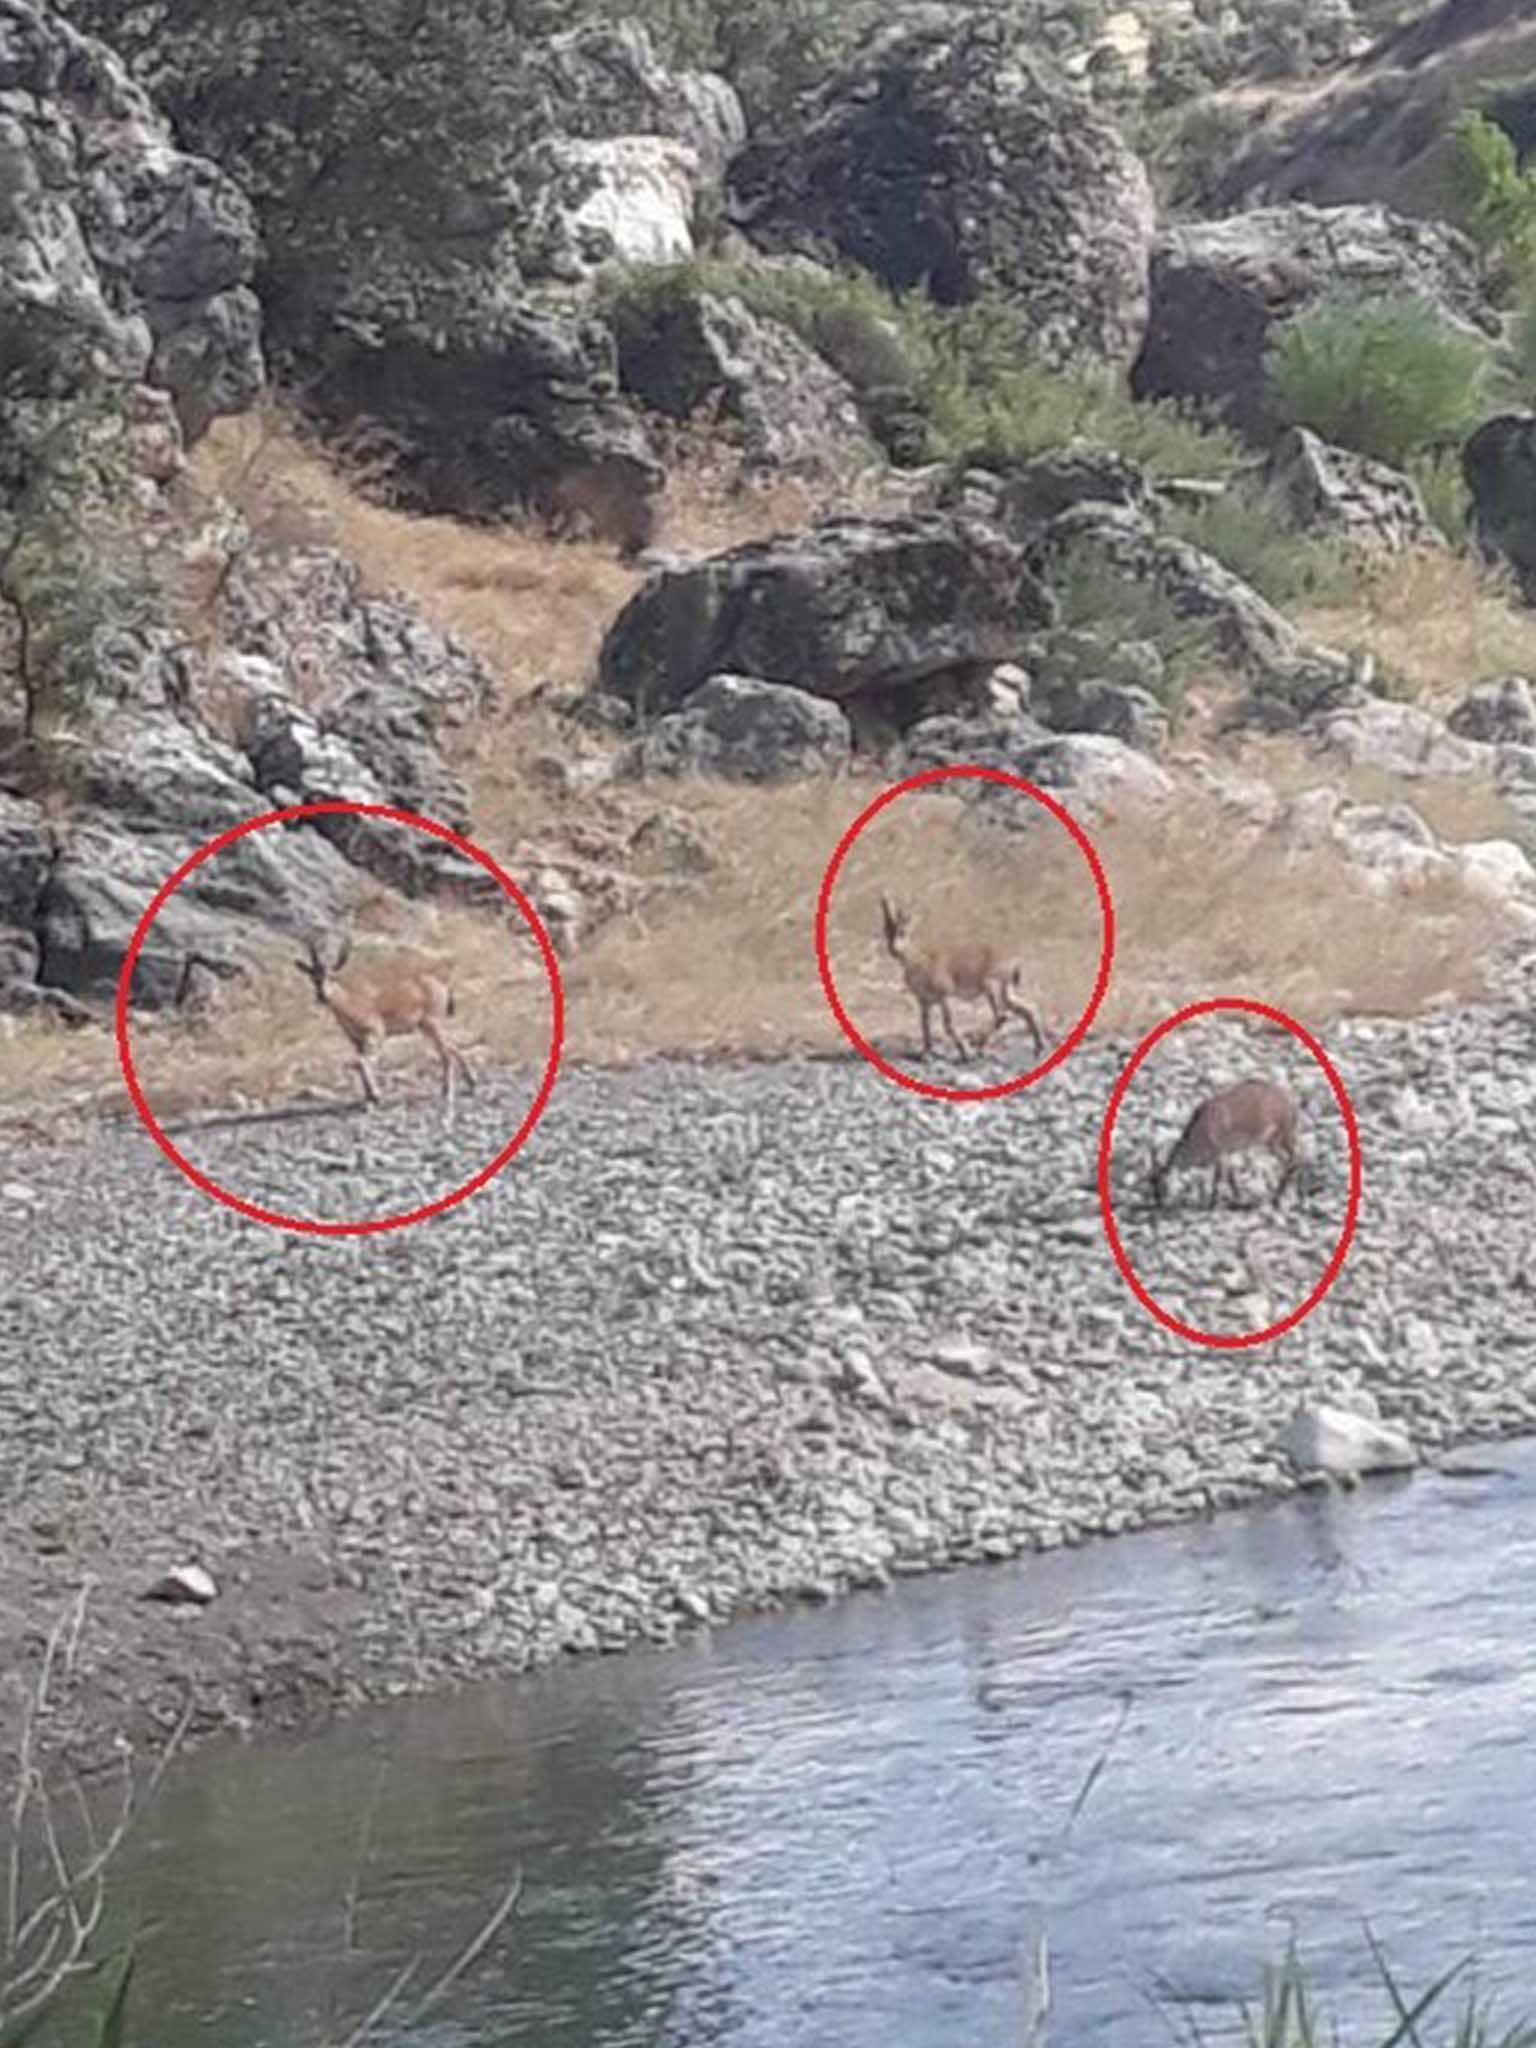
[[1106, 950], [1351, 1210], [303, 1223]]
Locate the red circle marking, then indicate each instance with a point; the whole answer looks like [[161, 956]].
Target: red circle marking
[[304, 1223], [1351, 1210], [1106, 950]]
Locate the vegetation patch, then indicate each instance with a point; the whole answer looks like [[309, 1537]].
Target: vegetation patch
[[966, 371], [1250, 533], [1388, 377]]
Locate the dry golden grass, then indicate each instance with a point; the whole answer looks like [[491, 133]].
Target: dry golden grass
[[530, 607], [1457, 808], [533, 608], [726, 962], [1197, 914], [268, 1042], [1435, 619], [731, 968]]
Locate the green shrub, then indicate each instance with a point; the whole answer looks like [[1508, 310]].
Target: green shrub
[[845, 316], [1495, 200], [1437, 472], [74, 568], [986, 397], [1095, 596], [1388, 377], [967, 370], [1251, 533]]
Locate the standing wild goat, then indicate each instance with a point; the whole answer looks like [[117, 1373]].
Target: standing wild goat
[[968, 969], [385, 1001], [1248, 1116]]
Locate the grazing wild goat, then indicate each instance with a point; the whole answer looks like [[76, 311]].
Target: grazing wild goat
[[1248, 1116], [388, 1000], [935, 975], [607, 503]]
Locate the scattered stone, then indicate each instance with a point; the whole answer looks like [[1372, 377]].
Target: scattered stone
[[744, 729], [1344, 1444], [1500, 712], [1348, 496], [186, 1585]]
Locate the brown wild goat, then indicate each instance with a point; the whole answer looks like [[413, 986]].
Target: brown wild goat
[[969, 969], [1248, 1116], [389, 1000], [608, 503]]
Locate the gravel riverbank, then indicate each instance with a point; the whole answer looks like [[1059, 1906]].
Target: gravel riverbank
[[718, 1336]]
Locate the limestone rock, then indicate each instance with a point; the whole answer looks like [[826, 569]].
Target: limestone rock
[[952, 153], [1222, 289]]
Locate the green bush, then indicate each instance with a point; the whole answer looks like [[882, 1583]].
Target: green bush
[[73, 566], [1251, 533], [1495, 200], [1388, 377], [1093, 595], [1443, 488], [987, 398], [966, 370]]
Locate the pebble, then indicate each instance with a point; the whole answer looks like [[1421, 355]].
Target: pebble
[[643, 1379]]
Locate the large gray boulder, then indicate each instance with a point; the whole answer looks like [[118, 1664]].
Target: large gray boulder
[[106, 874], [1291, 676], [1221, 290], [122, 258], [156, 782], [1022, 496], [791, 410], [743, 730], [1499, 464], [1347, 496], [952, 154], [381, 686], [433, 186], [851, 606], [619, 199], [483, 418], [603, 78]]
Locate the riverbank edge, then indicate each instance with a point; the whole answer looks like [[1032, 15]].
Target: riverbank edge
[[272, 1655]]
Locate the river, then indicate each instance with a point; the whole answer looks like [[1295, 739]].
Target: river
[[849, 1825]]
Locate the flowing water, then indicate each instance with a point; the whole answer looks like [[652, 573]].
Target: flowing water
[[849, 1826]]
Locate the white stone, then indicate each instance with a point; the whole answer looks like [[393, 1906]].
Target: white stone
[[185, 1585], [1320, 1438]]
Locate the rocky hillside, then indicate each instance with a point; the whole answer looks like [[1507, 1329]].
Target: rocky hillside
[[1380, 129], [1080, 489]]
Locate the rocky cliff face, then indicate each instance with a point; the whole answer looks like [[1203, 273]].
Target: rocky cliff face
[[130, 321], [951, 156], [1379, 129], [427, 229], [121, 256]]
